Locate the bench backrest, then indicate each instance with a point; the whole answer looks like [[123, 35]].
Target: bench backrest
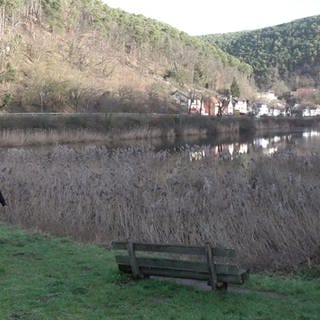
[[144, 259]]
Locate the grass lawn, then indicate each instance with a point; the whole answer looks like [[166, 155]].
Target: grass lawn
[[50, 278]]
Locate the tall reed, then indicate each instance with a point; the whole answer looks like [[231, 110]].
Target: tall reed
[[266, 208]]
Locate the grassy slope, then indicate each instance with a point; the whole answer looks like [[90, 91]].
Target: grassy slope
[[49, 278]]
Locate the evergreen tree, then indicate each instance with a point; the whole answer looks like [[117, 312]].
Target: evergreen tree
[[234, 88]]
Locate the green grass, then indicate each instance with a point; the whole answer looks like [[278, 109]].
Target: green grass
[[48, 278]]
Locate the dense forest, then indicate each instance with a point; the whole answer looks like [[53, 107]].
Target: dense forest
[[81, 55], [283, 57]]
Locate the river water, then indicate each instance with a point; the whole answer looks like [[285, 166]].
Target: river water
[[217, 148]]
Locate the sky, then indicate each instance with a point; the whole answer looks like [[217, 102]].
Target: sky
[[211, 16]]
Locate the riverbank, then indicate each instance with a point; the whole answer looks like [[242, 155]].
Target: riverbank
[[40, 128], [43, 277]]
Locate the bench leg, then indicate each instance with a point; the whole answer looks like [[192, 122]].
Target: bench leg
[[222, 286]]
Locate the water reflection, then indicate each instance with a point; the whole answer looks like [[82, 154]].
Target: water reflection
[[263, 145], [216, 148], [310, 134]]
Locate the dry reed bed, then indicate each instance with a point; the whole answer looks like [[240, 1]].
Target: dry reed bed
[[266, 208], [20, 138]]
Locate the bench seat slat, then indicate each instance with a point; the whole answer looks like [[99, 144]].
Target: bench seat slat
[[196, 266], [171, 273]]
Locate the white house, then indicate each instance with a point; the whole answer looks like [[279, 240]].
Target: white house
[[314, 112], [306, 112], [230, 106], [241, 107], [263, 110], [196, 106], [310, 112], [275, 112]]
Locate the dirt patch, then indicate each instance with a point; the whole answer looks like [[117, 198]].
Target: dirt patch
[[203, 286], [157, 299]]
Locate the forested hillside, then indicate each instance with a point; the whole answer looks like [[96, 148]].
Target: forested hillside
[[283, 57], [77, 55]]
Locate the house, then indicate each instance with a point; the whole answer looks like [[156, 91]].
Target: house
[[241, 107], [196, 106], [305, 110], [213, 106], [310, 111], [236, 106], [230, 107], [315, 111], [227, 105], [274, 112], [209, 106], [262, 110], [180, 98]]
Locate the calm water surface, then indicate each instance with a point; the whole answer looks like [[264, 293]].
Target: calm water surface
[[225, 148]]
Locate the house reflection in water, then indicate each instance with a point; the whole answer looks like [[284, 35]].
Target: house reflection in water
[[230, 151], [310, 134]]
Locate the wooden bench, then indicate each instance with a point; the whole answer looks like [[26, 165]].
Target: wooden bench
[[189, 262]]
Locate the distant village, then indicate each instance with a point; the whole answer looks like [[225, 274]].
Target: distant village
[[267, 104]]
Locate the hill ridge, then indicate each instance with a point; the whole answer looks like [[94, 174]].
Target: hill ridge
[[283, 57], [85, 56]]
